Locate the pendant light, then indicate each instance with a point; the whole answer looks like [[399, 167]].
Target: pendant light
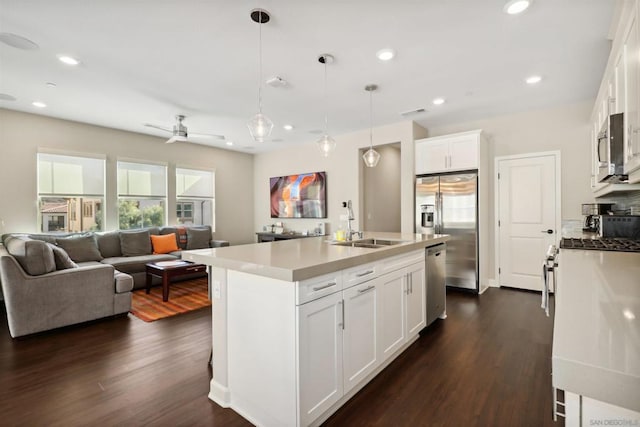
[[259, 125], [371, 157], [326, 144]]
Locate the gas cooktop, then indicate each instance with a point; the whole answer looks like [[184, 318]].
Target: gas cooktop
[[602, 244]]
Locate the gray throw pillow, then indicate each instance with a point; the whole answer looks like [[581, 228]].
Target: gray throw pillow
[[81, 248], [135, 243], [198, 238], [109, 244], [61, 257], [34, 256]]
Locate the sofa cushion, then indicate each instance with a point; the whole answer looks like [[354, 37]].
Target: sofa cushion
[[164, 244], [123, 282], [198, 238], [135, 243], [135, 264], [61, 258], [34, 256], [109, 244], [82, 247]]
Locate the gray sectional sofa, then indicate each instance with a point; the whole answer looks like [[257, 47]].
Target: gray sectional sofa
[[54, 280]]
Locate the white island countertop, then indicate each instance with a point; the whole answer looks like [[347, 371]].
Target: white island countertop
[[596, 336], [299, 259]]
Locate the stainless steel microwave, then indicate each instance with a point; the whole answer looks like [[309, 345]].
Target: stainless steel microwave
[[610, 150]]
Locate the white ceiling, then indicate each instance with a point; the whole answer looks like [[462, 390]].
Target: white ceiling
[[145, 61]]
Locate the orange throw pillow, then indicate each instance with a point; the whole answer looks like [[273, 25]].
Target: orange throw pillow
[[164, 244]]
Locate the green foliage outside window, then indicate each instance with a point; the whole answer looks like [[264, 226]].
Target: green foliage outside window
[[131, 216]]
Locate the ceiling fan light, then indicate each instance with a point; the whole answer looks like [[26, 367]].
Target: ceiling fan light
[[371, 158], [260, 127], [326, 144]]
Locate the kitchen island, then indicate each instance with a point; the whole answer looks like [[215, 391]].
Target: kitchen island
[[596, 336], [300, 326]]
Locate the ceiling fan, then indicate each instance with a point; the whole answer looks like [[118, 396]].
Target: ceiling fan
[[180, 133]]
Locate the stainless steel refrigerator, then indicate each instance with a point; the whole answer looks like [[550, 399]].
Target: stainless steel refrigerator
[[448, 204]]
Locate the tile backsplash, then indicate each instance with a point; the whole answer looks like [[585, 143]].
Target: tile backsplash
[[624, 203]]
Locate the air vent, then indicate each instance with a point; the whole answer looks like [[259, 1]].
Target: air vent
[[412, 112]]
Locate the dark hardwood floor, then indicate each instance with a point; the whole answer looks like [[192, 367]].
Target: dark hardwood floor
[[487, 364]]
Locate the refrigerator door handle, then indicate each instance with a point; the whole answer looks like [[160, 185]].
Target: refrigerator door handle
[[438, 213]]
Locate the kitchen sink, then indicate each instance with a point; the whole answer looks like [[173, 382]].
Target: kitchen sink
[[369, 243]]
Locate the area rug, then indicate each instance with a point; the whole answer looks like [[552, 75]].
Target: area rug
[[184, 297]]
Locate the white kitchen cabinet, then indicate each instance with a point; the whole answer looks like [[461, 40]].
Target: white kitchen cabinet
[[620, 93], [585, 411], [448, 153], [403, 306], [345, 336], [360, 337], [632, 89], [431, 156], [320, 351], [416, 299], [392, 313]]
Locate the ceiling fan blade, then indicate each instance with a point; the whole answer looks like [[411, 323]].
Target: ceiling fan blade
[[149, 125], [207, 135], [176, 138]]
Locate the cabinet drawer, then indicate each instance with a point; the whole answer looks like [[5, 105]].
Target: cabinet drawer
[[316, 287], [402, 261], [359, 274]]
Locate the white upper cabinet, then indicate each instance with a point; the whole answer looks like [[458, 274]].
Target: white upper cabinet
[[448, 153], [620, 93], [632, 89]]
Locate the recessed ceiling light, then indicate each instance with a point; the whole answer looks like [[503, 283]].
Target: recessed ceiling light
[[69, 60], [288, 127], [438, 101], [229, 143], [533, 80], [514, 7], [38, 104], [386, 54]]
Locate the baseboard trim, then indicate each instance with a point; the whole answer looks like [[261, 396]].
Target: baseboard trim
[[219, 394]]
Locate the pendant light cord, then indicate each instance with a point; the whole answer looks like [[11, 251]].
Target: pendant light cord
[[260, 63], [326, 99], [371, 119]]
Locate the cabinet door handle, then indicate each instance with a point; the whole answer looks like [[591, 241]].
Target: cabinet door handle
[[365, 273], [328, 285], [367, 289], [342, 311]]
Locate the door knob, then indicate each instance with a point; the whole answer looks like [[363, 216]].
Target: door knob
[[549, 231]]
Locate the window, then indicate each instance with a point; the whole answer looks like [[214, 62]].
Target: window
[[87, 209], [195, 197], [184, 212], [142, 193], [65, 184]]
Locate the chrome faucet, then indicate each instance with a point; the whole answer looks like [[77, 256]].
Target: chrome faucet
[[350, 230]]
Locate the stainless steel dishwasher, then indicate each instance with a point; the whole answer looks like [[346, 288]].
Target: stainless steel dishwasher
[[436, 289]]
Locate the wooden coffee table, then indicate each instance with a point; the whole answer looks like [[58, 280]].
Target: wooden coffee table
[[167, 270]]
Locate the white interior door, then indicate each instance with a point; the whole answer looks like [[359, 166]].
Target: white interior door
[[528, 217]]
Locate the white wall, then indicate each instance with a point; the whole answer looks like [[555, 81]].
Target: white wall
[[344, 169], [563, 128], [381, 192], [21, 135]]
